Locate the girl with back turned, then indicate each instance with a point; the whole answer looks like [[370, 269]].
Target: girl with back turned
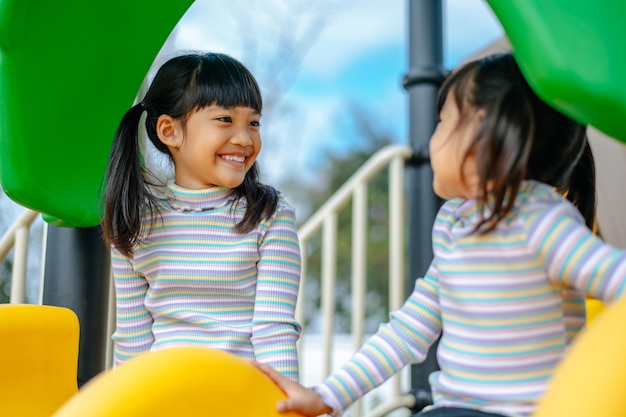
[[513, 258]]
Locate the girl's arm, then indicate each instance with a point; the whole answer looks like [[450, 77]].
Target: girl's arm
[[133, 332], [274, 329], [575, 257], [403, 340]]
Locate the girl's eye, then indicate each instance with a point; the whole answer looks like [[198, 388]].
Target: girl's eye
[[225, 119], [255, 123]]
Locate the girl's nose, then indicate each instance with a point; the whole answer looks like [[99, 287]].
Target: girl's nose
[[242, 138]]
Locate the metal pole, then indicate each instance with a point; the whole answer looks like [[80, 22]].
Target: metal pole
[[77, 271], [422, 81]]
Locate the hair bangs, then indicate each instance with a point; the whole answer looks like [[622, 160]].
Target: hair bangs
[[222, 81]]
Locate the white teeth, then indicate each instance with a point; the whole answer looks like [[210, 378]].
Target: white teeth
[[234, 158]]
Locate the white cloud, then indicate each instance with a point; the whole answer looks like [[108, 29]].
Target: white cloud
[[468, 27], [209, 25], [304, 131], [360, 27]]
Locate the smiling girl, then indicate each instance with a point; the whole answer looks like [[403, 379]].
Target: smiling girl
[[216, 261]]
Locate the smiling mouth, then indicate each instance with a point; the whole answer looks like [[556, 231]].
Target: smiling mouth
[[239, 159]]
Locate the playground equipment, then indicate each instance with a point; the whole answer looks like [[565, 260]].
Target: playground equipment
[[68, 72], [40, 356], [571, 52], [185, 381], [64, 85], [39, 352]]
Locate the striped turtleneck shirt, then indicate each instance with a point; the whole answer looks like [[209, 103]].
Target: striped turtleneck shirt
[[506, 304], [193, 280]]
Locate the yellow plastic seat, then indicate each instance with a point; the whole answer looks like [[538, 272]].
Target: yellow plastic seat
[[182, 381], [39, 351], [591, 379], [594, 308]]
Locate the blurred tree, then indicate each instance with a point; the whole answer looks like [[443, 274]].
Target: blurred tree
[[275, 43], [336, 169], [6, 269], [6, 264]]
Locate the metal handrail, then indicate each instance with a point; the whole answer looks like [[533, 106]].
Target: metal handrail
[[17, 237], [324, 221]]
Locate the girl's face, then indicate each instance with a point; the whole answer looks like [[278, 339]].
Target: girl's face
[[452, 176], [218, 147]]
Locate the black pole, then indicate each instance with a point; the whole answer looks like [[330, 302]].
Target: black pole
[[422, 81], [77, 270]]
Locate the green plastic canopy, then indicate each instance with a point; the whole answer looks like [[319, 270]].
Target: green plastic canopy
[[573, 55], [68, 71]]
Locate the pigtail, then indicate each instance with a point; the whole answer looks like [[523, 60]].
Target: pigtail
[[126, 194], [262, 200], [581, 185]]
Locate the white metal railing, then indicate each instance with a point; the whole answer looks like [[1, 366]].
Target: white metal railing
[[17, 237], [325, 221]]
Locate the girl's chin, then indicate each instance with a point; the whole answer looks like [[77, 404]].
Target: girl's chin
[[234, 183]]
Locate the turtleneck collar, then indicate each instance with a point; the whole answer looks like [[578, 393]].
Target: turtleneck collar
[[470, 210], [184, 199]]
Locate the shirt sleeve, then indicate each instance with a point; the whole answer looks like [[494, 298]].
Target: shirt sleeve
[[133, 330], [575, 257], [274, 328], [405, 339]]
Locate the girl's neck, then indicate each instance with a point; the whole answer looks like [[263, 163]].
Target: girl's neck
[[184, 199]]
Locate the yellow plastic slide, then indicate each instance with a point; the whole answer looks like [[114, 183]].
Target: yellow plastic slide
[[184, 381]]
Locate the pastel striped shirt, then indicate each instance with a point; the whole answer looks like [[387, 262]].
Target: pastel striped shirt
[[506, 304], [195, 281]]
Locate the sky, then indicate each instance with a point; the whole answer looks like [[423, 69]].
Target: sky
[[322, 59]]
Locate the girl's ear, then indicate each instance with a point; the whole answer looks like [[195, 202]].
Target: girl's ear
[[169, 132]]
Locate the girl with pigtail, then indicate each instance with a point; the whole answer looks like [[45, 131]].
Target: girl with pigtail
[[214, 260]]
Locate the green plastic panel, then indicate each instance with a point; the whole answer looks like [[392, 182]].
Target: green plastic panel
[[573, 54], [68, 71]]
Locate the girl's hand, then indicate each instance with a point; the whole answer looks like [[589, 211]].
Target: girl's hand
[[299, 399]]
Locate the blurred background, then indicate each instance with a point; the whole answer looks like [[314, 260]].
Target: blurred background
[[331, 76]]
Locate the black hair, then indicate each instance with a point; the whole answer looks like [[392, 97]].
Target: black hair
[[182, 85], [520, 137]]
